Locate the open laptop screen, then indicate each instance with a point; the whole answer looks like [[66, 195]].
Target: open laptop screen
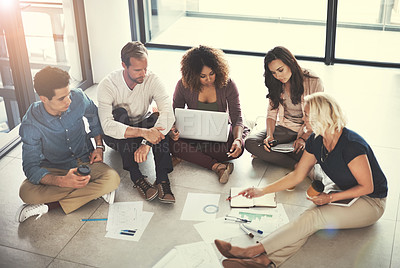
[[202, 125]]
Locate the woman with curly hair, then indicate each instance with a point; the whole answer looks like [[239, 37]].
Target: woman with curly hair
[[205, 85], [287, 85]]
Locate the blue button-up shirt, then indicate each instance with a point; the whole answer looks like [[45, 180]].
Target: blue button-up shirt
[[57, 141]]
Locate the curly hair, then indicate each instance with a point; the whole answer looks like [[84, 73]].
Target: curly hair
[[49, 79], [195, 59], [274, 86]]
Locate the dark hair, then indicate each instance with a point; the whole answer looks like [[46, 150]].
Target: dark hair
[[132, 50], [48, 79], [195, 59], [274, 86]]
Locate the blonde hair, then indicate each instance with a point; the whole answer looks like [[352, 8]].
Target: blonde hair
[[325, 114]]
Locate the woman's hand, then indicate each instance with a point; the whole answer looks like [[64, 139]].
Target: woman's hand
[[266, 143], [252, 192], [236, 148], [174, 133], [299, 145], [321, 199]]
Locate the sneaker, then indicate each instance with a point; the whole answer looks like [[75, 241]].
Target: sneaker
[[165, 194], [25, 211], [109, 198], [145, 189]]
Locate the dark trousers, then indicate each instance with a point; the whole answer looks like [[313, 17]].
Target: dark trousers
[[127, 148], [283, 135], [202, 153]]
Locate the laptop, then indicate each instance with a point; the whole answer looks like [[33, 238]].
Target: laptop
[[202, 125]]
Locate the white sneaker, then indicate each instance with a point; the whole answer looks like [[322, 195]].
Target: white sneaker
[[109, 198], [25, 211]]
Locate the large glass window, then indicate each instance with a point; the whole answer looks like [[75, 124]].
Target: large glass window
[[35, 34], [368, 30], [253, 25], [359, 31]]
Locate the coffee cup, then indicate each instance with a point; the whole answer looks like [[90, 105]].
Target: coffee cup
[[315, 188], [83, 170]]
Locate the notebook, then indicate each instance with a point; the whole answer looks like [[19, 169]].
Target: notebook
[[202, 125], [268, 200]]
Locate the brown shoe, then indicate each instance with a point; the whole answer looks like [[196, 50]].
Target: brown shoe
[[224, 248], [175, 161], [165, 194], [223, 171], [145, 189]]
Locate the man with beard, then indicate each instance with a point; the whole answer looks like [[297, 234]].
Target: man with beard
[[130, 128]]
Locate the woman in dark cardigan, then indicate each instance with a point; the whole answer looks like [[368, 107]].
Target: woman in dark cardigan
[[205, 85]]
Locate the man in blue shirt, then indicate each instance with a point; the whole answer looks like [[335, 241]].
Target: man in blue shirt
[[55, 143]]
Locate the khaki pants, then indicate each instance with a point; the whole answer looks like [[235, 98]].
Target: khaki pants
[[104, 179], [287, 240]]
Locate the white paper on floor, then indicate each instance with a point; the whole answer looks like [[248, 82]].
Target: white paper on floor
[[265, 219], [127, 221], [200, 207], [194, 255]]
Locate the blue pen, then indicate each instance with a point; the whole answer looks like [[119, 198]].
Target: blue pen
[[252, 228], [102, 219], [124, 233], [129, 231]]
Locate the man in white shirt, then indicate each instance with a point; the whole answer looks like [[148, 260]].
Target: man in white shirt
[[124, 99]]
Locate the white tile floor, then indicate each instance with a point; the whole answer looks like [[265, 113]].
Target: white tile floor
[[370, 96]]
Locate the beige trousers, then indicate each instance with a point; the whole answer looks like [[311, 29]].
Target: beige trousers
[[103, 179], [287, 240]]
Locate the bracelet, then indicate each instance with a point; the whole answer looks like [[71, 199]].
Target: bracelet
[[302, 139], [101, 147]]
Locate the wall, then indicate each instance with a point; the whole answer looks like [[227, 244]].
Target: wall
[[108, 31]]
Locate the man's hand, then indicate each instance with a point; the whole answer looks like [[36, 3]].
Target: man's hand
[[72, 180], [141, 153], [96, 155], [153, 135]]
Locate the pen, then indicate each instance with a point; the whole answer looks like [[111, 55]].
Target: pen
[[124, 233], [245, 230], [229, 198], [252, 228], [101, 219], [129, 231], [235, 219]]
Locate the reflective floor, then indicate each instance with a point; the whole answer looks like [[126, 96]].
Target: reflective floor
[[370, 97]]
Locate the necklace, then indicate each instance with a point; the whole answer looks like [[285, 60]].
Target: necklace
[[324, 153]]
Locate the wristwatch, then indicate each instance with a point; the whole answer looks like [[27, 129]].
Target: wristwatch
[[145, 142], [101, 146]]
